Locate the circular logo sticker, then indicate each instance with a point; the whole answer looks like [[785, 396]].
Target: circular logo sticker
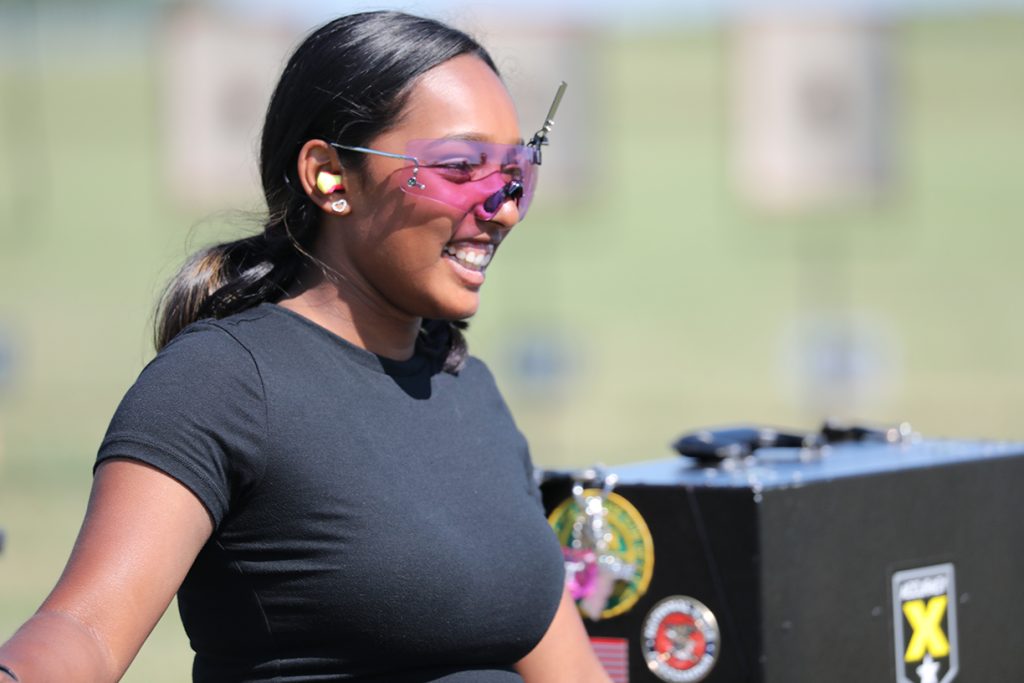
[[605, 581], [680, 640]]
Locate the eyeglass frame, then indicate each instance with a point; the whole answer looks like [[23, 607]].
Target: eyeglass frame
[[539, 139], [413, 181]]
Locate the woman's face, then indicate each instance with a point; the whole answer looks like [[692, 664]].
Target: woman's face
[[416, 257]]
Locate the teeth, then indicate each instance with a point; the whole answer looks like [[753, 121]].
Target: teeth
[[475, 257]]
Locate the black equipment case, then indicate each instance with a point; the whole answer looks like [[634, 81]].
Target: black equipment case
[[859, 563]]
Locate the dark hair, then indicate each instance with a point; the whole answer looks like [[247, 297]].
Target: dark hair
[[347, 82]]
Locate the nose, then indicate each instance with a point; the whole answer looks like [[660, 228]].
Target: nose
[[507, 215]]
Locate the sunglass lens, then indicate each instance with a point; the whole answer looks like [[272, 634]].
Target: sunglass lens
[[470, 175]]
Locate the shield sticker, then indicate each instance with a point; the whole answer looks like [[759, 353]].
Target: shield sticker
[[924, 624]]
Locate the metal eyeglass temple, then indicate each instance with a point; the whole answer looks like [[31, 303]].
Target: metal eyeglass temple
[[413, 180]]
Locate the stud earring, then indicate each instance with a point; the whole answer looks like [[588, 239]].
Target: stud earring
[[328, 182], [339, 206]]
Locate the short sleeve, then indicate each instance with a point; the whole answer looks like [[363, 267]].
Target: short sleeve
[[198, 413]]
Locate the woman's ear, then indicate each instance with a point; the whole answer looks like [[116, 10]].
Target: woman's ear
[[322, 177]]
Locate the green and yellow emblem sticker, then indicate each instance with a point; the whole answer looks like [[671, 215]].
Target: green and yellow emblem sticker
[[609, 555]]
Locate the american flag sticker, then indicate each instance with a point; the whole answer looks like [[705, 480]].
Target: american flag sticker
[[614, 656]]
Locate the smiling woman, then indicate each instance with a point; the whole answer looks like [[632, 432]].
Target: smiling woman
[[312, 461]]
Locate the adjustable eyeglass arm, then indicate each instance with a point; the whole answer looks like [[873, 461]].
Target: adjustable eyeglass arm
[[540, 138], [413, 181]]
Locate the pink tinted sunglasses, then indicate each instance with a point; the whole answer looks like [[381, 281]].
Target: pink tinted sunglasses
[[473, 175]]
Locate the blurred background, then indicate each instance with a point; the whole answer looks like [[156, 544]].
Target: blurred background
[[746, 215]]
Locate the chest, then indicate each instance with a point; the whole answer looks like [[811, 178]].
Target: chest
[[387, 519]]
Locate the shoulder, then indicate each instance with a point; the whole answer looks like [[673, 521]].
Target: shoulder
[[205, 369], [221, 345], [204, 352], [197, 412], [477, 375], [477, 370], [233, 335], [204, 339], [479, 384]]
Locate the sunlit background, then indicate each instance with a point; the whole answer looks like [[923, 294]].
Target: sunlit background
[[745, 216]]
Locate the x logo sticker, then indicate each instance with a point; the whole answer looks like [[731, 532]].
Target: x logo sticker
[[927, 624]]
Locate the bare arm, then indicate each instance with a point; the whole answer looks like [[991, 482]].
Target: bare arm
[[564, 654], [141, 533]]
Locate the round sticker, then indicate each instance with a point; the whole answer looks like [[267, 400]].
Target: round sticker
[[629, 547], [680, 640]]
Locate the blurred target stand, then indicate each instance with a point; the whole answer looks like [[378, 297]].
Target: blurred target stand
[[813, 135], [813, 110]]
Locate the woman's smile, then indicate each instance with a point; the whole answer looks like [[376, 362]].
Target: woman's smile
[[469, 259]]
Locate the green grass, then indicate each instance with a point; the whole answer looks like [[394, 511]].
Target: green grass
[[671, 298]]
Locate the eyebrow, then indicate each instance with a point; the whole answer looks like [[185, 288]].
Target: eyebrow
[[476, 137]]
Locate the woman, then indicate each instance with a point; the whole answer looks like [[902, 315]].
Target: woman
[[333, 487]]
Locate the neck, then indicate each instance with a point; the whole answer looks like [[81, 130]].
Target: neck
[[388, 335]]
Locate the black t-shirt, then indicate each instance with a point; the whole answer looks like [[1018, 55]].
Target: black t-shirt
[[375, 520]]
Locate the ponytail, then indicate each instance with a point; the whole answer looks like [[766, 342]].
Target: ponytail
[[224, 279]]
